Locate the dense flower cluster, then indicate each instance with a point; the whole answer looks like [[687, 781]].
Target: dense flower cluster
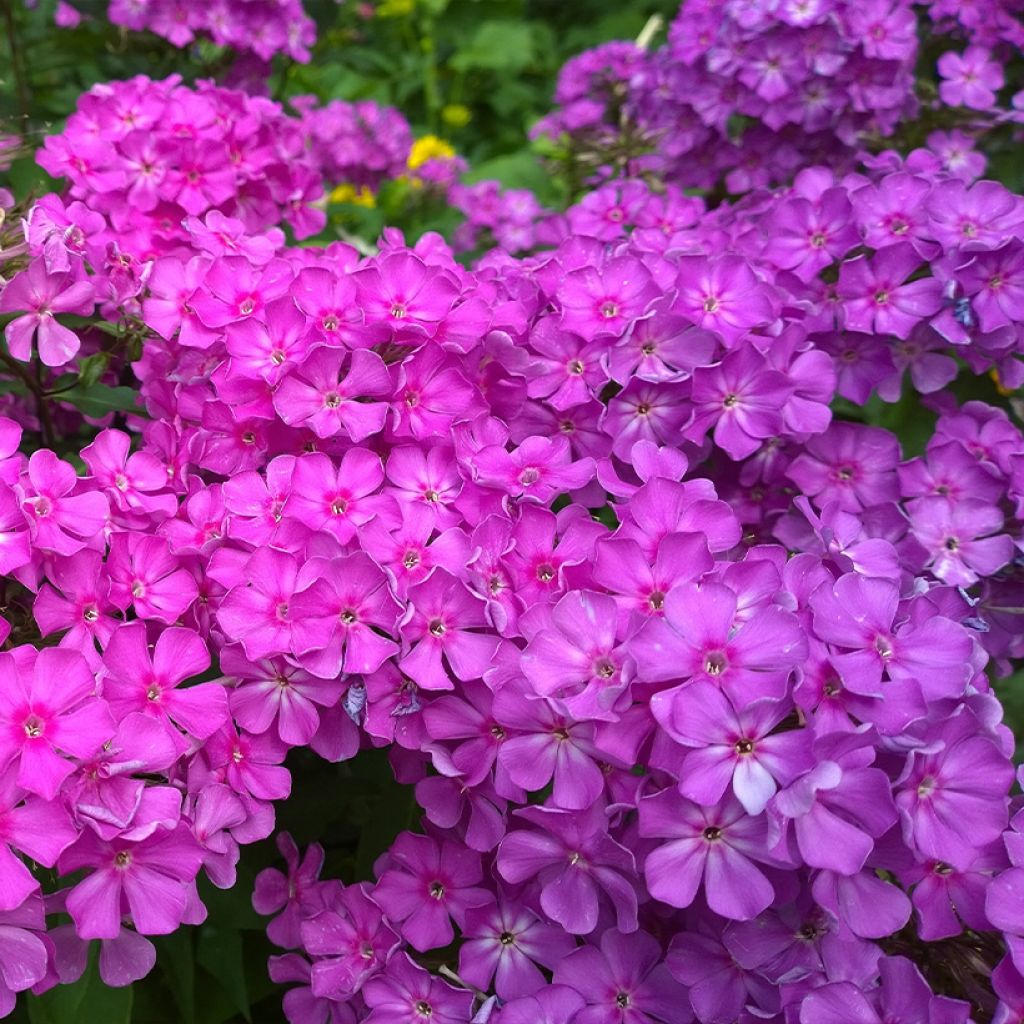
[[750, 93], [687, 674], [687, 665], [260, 27]]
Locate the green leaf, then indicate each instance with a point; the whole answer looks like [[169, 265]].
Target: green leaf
[[497, 46], [219, 950], [176, 959], [98, 400], [88, 999], [92, 368]]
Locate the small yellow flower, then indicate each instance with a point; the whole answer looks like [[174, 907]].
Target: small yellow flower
[[429, 147], [394, 8], [361, 196], [458, 115]]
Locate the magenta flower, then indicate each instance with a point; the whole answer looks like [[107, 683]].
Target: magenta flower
[[59, 520], [49, 708], [597, 302], [624, 982], [876, 297], [294, 896], [39, 296], [268, 350], [442, 631], [576, 864], [404, 993], [741, 398], [730, 747], [993, 280], [406, 295], [504, 943], [78, 601], [128, 478], [538, 470], [578, 659], [714, 847], [318, 394], [147, 578], [148, 681], [699, 637], [722, 294], [352, 942], [962, 541], [148, 880], [337, 498], [952, 795], [426, 884]]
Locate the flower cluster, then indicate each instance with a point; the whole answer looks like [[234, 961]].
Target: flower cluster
[[494, 216], [750, 93], [687, 674], [259, 27]]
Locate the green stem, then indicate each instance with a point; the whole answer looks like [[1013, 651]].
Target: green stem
[[17, 63]]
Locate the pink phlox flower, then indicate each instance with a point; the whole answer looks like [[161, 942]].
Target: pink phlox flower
[[148, 880], [270, 347], [405, 294], [429, 476], [131, 480], [345, 618], [141, 679], [77, 599], [49, 709], [724, 295], [146, 577], [60, 520], [538, 470], [39, 296], [444, 633], [970, 79], [601, 302]]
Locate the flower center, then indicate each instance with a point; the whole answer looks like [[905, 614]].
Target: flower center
[[545, 572], [34, 727], [436, 890], [712, 833], [332, 400], [530, 475], [122, 859], [622, 1000], [715, 663], [608, 310], [437, 628], [339, 506], [506, 938], [745, 747]]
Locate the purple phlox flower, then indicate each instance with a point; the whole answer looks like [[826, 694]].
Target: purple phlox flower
[[961, 540], [640, 584], [429, 477], [953, 791], [77, 599], [902, 995], [601, 301], [840, 806], [149, 880], [146, 577], [337, 497], [875, 295], [850, 463], [258, 612], [504, 943], [546, 747], [577, 659], [660, 348], [233, 290], [947, 898], [294, 896], [405, 993], [345, 618], [427, 883], [443, 631], [39, 296], [723, 294], [878, 652], [538, 470], [107, 794], [642, 411], [805, 236], [351, 940], [742, 399], [731, 747], [36, 827], [147, 680], [406, 295], [894, 211], [565, 370], [49, 708], [216, 811], [993, 280], [129, 478], [699, 637], [624, 981], [869, 906], [575, 863], [268, 348], [970, 79]]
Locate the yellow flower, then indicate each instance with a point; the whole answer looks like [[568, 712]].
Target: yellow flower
[[429, 147], [458, 115], [361, 196], [394, 8]]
